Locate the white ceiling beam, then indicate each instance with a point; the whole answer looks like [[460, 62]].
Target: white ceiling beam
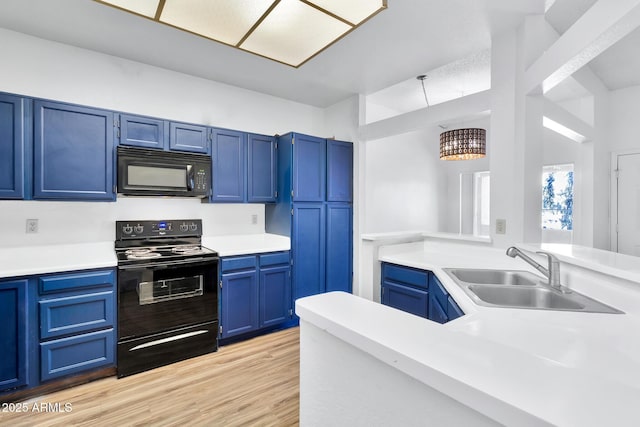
[[582, 131], [604, 24], [466, 108]]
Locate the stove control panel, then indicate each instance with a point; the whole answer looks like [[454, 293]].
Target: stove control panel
[[150, 229]]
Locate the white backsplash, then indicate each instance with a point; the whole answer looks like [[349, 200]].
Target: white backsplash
[[79, 222]]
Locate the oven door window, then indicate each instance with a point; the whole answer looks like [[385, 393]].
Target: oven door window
[[170, 289]]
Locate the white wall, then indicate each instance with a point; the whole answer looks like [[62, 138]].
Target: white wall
[[403, 183], [79, 222], [624, 108], [40, 68]]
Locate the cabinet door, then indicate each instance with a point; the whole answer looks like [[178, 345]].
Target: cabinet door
[[73, 152], [339, 171], [309, 168], [228, 166], [261, 184], [404, 298], [339, 247], [13, 334], [146, 132], [186, 137], [453, 310], [11, 147], [308, 249], [437, 313], [239, 303], [275, 295]]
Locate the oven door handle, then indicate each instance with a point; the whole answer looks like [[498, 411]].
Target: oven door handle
[[162, 265]]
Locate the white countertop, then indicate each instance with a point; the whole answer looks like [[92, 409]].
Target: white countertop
[[243, 244], [517, 366], [30, 260]]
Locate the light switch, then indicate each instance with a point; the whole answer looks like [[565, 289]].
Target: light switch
[[501, 226]]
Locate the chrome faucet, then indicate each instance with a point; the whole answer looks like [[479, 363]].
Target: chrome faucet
[[552, 273]]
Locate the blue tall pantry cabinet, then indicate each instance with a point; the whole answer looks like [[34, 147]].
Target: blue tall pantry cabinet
[[314, 208]]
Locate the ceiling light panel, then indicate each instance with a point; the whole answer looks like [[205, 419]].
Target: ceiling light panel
[[223, 20], [146, 8], [293, 32], [354, 11]]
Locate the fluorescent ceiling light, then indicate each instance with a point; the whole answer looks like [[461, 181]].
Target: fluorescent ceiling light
[[562, 130], [287, 31]]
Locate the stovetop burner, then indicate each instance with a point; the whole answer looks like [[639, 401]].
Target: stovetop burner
[[142, 253]]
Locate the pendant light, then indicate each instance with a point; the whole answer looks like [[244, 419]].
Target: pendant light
[[460, 144]]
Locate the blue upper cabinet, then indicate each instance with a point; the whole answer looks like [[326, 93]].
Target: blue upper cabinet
[[228, 156], [309, 168], [13, 335], [261, 169], [186, 137], [73, 152], [339, 171], [339, 250], [12, 146], [150, 132], [140, 131]]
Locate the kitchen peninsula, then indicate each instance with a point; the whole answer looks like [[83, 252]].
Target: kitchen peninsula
[[491, 366]]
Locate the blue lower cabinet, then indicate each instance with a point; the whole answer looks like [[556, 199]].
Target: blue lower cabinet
[[73, 314], [275, 295], [13, 334], [77, 313], [405, 298], [419, 292], [75, 354], [255, 293], [436, 312], [453, 310], [239, 303]]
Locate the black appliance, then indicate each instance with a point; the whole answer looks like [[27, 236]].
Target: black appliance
[[145, 172], [167, 294]]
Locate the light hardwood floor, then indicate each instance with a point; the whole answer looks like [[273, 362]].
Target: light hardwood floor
[[251, 383]]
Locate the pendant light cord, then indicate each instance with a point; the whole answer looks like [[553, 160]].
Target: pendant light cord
[[422, 78]]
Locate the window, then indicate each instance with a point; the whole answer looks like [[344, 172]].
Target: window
[[557, 197]]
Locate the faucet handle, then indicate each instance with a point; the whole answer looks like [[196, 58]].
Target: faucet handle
[[554, 271]]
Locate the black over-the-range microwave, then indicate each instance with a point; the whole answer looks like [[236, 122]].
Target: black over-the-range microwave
[[146, 172]]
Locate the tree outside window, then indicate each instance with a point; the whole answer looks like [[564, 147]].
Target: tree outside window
[[557, 197]]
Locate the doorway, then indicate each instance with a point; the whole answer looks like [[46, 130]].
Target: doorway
[[626, 203]]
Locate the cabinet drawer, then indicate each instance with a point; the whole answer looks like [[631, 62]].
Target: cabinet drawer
[[406, 275], [411, 300], [274, 259], [76, 354], [63, 316], [73, 281], [237, 263]]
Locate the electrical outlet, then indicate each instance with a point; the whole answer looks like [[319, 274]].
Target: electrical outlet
[[254, 219], [32, 226], [501, 226]]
